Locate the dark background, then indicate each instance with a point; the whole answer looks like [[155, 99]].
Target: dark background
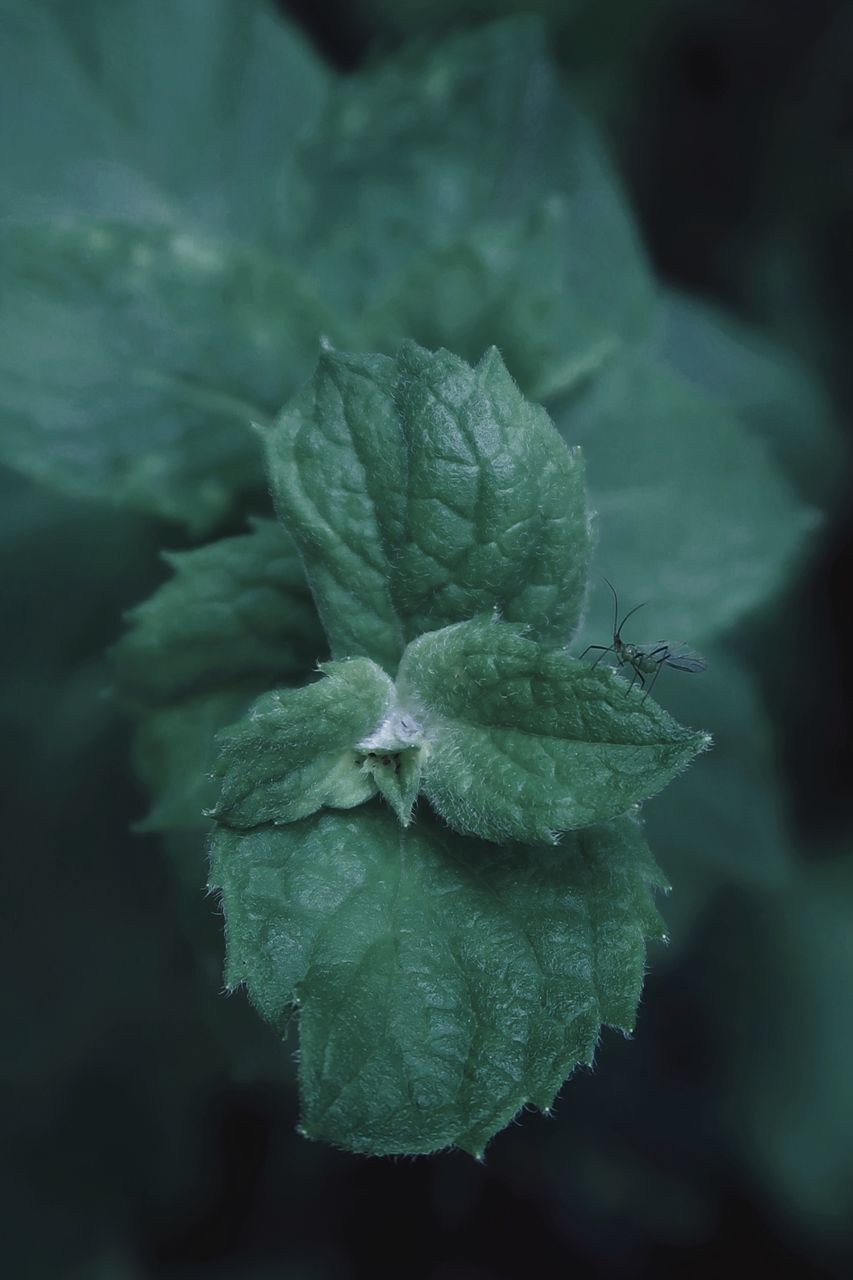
[[175, 1155]]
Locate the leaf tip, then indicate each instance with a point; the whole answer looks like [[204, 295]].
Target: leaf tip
[[474, 1146], [491, 357]]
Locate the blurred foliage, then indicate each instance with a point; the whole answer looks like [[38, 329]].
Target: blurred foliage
[[144, 1133]]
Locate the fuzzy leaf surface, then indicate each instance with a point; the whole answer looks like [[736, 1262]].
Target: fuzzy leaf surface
[[235, 619], [421, 491], [523, 741], [398, 779], [295, 751], [441, 983], [236, 610]]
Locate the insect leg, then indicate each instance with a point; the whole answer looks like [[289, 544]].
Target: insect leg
[[605, 647], [654, 677], [609, 649], [638, 675]]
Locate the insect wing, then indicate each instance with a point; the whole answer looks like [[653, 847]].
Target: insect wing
[[683, 659]]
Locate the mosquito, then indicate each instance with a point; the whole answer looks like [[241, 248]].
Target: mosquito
[[644, 659]]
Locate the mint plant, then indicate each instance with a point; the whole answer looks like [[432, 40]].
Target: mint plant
[[432, 852]]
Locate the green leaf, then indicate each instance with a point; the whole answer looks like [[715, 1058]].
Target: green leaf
[[235, 611], [500, 284], [296, 750], [235, 619], [420, 492], [396, 18], [522, 741], [187, 113], [763, 381], [174, 749], [397, 776], [442, 984], [727, 824], [133, 361], [694, 515], [134, 356], [420, 151], [729, 817]]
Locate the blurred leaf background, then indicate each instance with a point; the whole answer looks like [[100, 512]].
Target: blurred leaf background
[[149, 1122]]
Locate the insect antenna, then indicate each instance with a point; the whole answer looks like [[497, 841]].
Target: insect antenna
[[617, 625], [615, 605], [628, 615]]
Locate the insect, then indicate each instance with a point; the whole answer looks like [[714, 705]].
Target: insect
[[644, 659]]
